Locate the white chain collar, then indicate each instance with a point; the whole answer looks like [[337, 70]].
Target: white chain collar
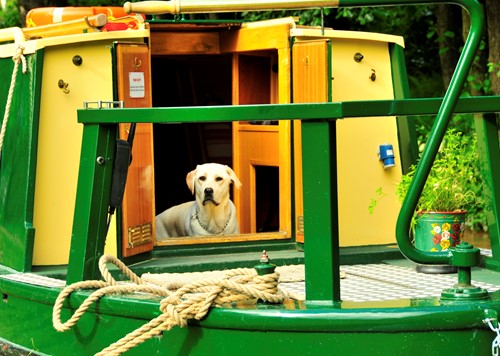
[[196, 217]]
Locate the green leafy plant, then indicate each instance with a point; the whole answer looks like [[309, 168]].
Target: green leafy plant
[[454, 182], [448, 185]]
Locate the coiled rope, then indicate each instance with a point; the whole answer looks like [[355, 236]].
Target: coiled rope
[[191, 301], [17, 58]]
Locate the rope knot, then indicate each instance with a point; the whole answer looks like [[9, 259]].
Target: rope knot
[[19, 57], [191, 301], [267, 283]]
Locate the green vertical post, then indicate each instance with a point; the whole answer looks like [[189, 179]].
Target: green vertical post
[[321, 243], [18, 164], [487, 142], [407, 135], [92, 200]]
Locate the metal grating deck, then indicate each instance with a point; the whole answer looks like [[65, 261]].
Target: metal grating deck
[[362, 283], [380, 282]]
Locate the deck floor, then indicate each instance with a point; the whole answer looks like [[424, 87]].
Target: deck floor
[[381, 282], [390, 280]]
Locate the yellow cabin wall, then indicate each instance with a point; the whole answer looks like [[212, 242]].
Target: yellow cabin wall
[[59, 143], [360, 171]]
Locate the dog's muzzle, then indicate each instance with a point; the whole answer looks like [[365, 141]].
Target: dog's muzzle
[[209, 196]]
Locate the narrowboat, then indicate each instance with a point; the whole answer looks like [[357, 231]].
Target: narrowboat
[[106, 111]]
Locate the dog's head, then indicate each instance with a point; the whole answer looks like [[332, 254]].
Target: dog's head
[[210, 183]]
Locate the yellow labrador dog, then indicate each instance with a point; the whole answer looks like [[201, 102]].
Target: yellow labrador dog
[[212, 213]]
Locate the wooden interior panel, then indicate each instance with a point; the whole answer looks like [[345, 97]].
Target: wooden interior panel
[[256, 144], [254, 80], [261, 75], [163, 43], [261, 149]]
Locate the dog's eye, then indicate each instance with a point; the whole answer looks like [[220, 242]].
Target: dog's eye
[[219, 179], [202, 178]]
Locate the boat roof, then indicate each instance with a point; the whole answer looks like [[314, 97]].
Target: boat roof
[[32, 45]]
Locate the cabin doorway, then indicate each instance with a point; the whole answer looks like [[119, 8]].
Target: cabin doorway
[[206, 81], [188, 81], [225, 65]]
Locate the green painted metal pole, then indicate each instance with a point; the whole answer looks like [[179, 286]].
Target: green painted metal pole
[[92, 200], [303, 112], [408, 146], [487, 141], [436, 136], [321, 247]]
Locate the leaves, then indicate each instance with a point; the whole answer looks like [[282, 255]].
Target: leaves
[[9, 16], [454, 182]]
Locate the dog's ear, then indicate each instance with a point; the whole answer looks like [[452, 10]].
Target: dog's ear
[[234, 179], [190, 180]]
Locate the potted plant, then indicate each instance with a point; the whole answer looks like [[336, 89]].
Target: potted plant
[[451, 189]]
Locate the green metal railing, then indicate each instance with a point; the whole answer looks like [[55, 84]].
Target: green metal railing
[[320, 189]]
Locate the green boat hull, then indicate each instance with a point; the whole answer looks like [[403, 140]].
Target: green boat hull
[[424, 326]]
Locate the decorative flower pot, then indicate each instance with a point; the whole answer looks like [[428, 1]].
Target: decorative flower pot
[[438, 231]]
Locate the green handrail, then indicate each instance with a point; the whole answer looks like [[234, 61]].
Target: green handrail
[[476, 12], [437, 133]]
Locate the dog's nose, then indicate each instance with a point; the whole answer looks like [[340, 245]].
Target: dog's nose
[[209, 191]]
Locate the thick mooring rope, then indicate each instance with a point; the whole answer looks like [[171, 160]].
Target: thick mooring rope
[[191, 301], [17, 58]]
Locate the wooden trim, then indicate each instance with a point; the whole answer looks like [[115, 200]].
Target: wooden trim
[[214, 239], [168, 43], [257, 128]]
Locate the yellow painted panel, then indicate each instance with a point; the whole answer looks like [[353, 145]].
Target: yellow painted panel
[[360, 171], [60, 140]]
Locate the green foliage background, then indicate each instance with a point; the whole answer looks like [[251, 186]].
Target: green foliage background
[[10, 17]]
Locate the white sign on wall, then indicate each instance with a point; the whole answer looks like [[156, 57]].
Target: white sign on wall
[[136, 80]]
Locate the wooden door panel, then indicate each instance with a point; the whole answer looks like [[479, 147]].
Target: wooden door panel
[[311, 84], [261, 75], [134, 88]]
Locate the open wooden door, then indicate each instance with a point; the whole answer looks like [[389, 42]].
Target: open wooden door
[[262, 150], [311, 84], [133, 74]]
